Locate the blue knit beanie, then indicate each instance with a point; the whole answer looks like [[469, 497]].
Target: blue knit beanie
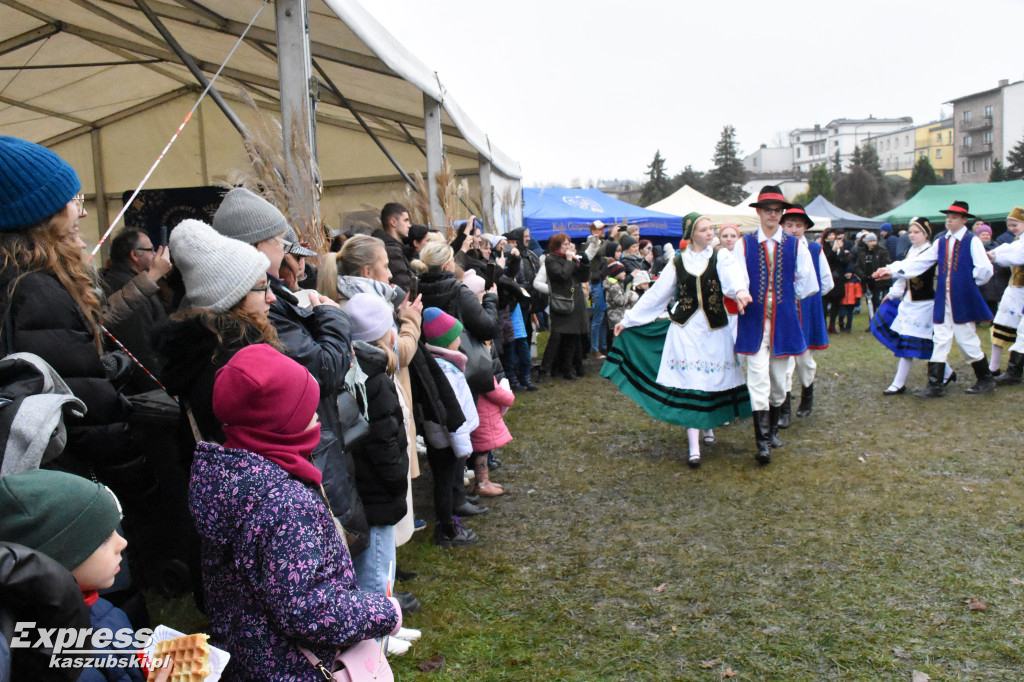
[[35, 183]]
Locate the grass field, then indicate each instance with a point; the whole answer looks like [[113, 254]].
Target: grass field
[[854, 556]]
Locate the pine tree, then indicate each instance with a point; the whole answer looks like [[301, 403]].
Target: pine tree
[[694, 178], [725, 180], [922, 175], [657, 186], [869, 160], [837, 168], [1015, 162], [998, 173], [820, 184]]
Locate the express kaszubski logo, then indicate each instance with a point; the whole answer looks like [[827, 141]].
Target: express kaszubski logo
[[84, 647]]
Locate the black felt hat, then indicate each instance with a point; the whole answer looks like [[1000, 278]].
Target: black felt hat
[[770, 194], [958, 208]]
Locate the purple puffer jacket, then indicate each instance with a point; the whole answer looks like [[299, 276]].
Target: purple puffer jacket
[[275, 573]]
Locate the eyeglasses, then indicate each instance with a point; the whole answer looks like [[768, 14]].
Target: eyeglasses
[[774, 211], [144, 248], [264, 289]]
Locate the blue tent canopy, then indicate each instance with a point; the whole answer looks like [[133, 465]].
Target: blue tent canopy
[[561, 209], [840, 218]]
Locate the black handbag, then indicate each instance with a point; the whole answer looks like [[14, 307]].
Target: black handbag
[[563, 305], [479, 367], [353, 421]]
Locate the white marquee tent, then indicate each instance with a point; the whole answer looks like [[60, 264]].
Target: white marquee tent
[[687, 200], [105, 83]]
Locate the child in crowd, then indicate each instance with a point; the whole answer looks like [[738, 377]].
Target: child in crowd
[[382, 457], [618, 296], [277, 576], [490, 435], [641, 282], [73, 521], [448, 450]]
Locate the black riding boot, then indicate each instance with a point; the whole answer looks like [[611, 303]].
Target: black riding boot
[[1014, 373], [936, 370], [785, 413], [774, 413], [806, 401], [986, 382], [763, 436]]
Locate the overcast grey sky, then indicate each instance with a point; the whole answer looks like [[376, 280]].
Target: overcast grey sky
[[586, 90]]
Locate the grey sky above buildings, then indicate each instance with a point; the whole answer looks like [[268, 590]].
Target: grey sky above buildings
[[585, 90]]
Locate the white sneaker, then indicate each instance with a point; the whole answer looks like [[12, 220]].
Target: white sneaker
[[408, 634], [397, 647]]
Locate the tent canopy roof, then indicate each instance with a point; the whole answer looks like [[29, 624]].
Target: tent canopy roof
[[564, 209], [687, 200], [840, 218], [987, 200], [94, 63]]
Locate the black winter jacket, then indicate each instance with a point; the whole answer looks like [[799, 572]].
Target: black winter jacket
[[136, 332], [442, 290], [382, 457], [34, 587], [398, 260], [47, 321]]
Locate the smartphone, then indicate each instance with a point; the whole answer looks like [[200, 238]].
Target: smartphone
[[414, 289], [163, 236]]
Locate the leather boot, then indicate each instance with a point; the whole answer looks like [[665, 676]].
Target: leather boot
[[986, 382], [936, 370], [773, 435], [1014, 373], [806, 401], [763, 436], [785, 413]]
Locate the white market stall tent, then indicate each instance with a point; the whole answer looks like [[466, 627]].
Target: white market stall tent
[[687, 200], [105, 84]]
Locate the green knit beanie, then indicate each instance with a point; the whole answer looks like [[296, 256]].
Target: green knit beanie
[[64, 516]]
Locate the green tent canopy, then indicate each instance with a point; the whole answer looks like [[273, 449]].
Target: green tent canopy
[[987, 200]]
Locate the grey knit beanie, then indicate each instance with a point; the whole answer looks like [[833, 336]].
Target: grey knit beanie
[[218, 271], [248, 217], [371, 317]]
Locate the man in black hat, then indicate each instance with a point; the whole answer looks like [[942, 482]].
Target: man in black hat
[[780, 272], [961, 267]]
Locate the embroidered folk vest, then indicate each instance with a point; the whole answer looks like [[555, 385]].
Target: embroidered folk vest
[[698, 293]]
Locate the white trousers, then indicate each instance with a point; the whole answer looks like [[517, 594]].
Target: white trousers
[[1018, 345], [766, 374], [966, 338], [805, 368]]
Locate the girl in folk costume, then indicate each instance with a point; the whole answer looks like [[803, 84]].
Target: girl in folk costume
[[728, 235], [961, 266], [1008, 317], [699, 382], [796, 222], [903, 323]]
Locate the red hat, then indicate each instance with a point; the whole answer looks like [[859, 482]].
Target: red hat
[[959, 208], [797, 210], [770, 194]]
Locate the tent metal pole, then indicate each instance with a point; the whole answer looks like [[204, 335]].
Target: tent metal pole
[[186, 59], [435, 153], [359, 119], [298, 94]]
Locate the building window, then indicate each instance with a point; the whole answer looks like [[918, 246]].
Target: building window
[[938, 153], [906, 139], [798, 152], [988, 110], [967, 116], [963, 166], [974, 165], [987, 161], [988, 138], [967, 140]]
